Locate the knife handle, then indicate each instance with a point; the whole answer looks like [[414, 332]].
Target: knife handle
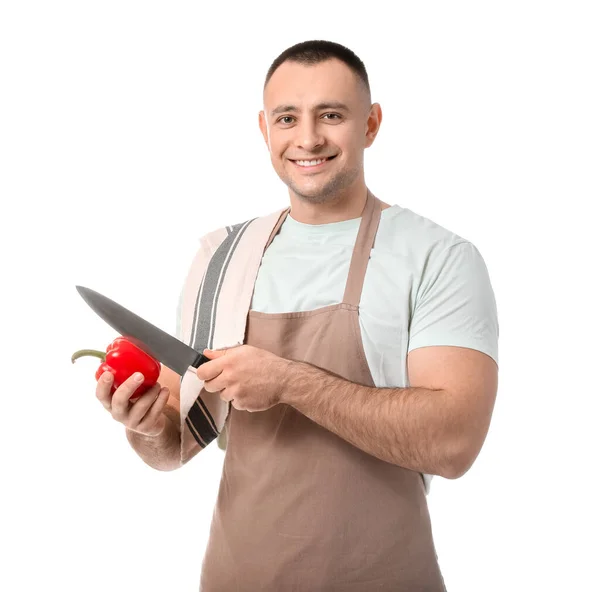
[[201, 359]]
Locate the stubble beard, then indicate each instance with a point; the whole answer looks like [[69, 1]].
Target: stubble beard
[[330, 191]]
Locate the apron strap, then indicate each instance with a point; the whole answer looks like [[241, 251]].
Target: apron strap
[[362, 249], [277, 226]]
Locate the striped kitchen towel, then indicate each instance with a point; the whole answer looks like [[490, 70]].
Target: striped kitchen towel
[[213, 312]]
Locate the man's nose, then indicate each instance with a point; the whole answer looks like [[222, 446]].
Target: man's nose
[[309, 136]]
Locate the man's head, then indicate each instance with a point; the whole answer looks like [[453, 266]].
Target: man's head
[[317, 103]]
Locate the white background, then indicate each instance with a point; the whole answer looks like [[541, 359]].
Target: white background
[[129, 129]]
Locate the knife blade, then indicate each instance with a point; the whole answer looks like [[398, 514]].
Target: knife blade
[[165, 348]]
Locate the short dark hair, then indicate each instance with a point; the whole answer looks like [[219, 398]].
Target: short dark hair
[[317, 51]]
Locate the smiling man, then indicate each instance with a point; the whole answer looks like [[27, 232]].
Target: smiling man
[[317, 122], [366, 363]]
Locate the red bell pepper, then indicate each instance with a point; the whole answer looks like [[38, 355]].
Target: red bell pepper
[[122, 359]]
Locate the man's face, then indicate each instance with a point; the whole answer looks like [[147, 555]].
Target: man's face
[[313, 112]]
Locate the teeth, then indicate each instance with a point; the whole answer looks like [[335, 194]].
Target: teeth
[[310, 162]]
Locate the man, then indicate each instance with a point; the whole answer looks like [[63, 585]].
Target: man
[[330, 452]]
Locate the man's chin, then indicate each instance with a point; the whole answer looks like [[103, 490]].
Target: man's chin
[[316, 195]]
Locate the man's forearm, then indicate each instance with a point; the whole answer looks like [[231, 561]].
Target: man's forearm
[[415, 428], [161, 452]]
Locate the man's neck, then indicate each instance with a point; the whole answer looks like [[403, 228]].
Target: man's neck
[[347, 207]]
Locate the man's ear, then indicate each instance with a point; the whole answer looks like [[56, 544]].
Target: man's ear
[[262, 123], [373, 124]]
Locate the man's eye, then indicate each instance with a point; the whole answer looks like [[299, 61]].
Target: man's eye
[[328, 115]]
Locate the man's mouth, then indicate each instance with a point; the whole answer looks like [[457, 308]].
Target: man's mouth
[[310, 165]]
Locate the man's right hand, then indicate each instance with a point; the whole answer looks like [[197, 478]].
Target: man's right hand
[[144, 414]]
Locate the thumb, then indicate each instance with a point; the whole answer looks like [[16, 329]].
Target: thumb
[[212, 353]]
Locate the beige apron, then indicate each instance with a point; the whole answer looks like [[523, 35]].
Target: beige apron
[[299, 508]]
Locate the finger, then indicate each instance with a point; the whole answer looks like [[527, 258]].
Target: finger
[[207, 386], [120, 398], [103, 387], [214, 353], [209, 370], [138, 410], [225, 398], [226, 395], [152, 416], [216, 382]]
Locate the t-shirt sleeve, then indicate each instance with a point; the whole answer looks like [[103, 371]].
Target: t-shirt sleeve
[[455, 303]]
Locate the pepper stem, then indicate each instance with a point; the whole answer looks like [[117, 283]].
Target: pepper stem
[[88, 352]]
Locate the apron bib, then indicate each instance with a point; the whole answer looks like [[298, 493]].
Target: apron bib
[[299, 508]]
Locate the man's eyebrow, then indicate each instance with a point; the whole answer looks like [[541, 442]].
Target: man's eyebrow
[[318, 107]]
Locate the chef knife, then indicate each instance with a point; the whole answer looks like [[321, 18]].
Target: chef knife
[[165, 348]]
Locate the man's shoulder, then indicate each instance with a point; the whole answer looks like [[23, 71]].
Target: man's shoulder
[[214, 238], [406, 230]]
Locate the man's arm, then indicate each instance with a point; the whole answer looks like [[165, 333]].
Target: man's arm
[[162, 452], [437, 428]]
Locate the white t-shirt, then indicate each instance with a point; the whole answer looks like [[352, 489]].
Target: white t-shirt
[[424, 286]]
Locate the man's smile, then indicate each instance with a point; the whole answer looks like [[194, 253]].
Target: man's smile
[[312, 165]]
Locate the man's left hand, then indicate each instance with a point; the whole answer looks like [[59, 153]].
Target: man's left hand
[[250, 377]]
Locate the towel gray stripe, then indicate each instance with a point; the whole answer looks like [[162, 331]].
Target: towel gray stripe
[[236, 235], [202, 424], [206, 304]]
